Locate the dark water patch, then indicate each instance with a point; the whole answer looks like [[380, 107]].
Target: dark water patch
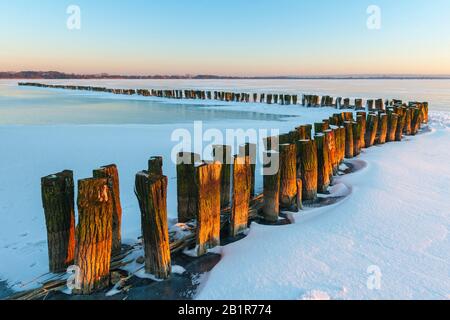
[[5, 291]]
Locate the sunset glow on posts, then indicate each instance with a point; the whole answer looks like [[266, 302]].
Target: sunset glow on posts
[[261, 151]]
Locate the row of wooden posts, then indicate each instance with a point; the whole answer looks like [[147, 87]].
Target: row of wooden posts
[[205, 190], [226, 96]]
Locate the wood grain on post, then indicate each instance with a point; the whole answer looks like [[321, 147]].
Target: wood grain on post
[[241, 195], [271, 209], [415, 123], [305, 132], [372, 129], [400, 127], [208, 182], [357, 136], [94, 234], [222, 154], [392, 126], [349, 140], [408, 118], [308, 168], [288, 176], [249, 150], [323, 178], [331, 136], [151, 191], [111, 173], [363, 123], [383, 128], [58, 203], [187, 192]]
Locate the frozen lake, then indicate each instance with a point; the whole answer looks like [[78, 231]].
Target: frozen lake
[[43, 131]]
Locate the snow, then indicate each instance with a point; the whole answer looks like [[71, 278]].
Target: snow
[[396, 216], [397, 219]]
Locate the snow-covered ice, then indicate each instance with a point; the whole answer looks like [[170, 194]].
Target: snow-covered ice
[[396, 218]]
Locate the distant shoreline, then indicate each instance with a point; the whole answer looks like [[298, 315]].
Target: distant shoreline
[[54, 75]]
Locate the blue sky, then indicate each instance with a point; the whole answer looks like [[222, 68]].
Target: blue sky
[[233, 37]]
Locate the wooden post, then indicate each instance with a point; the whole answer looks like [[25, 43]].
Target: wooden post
[[372, 129], [155, 166], [400, 126], [305, 132], [307, 168], [357, 132], [94, 234], [187, 192], [363, 123], [415, 123], [383, 126], [151, 191], [288, 177], [222, 154], [332, 140], [392, 126], [271, 210], [112, 174], [323, 178], [408, 118], [241, 195], [349, 142], [249, 150], [58, 203], [207, 179]]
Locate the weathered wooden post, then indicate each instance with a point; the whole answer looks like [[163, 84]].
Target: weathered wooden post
[[349, 141], [331, 139], [383, 126], [222, 154], [372, 129], [241, 195], [408, 118], [307, 168], [288, 177], [249, 150], [356, 138], [363, 123], [271, 209], [187, 192], [151, 191], [155, 166], [323, 181], [208, 182], [392, 126], [400, 127], [342, 137], [58, 203], [305, 132], [415, 123], [94, 234], [111, 173]]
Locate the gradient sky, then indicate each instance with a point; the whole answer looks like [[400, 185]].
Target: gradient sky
[[228, 37]]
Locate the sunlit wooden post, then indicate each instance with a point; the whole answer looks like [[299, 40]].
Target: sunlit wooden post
[[307, 168], [349, 140], [383, 128], [151, 191], [241, 195], [288, 176], [58, 203], [94, 234], [222, 154], [111, 173], [207, 179]]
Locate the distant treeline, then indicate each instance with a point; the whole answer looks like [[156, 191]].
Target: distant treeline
[[71, 76]]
